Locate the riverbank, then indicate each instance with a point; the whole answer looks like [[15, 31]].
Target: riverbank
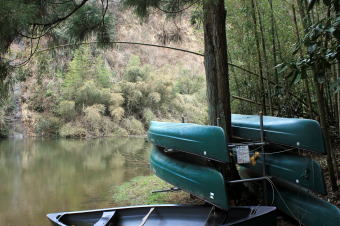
[[138, 191]]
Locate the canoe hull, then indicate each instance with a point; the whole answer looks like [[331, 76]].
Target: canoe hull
[[201, 181], [300, 133], [205, 141], [298, 170], [168, 215], [300, 204]]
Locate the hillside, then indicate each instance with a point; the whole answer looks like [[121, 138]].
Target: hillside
[[140, 83]]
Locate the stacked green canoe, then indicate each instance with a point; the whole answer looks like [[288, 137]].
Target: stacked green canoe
[[294, 176], [300, 133], [201, 181], [205, 141]]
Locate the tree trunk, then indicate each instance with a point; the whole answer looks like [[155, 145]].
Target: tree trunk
[[272, 21], [264, 49], [216, 67], [273, 41], [325, 128], [305, 80], [217, 78], [263, 98], [337, 67]]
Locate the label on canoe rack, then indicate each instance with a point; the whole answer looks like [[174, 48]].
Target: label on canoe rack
[[242, 153]]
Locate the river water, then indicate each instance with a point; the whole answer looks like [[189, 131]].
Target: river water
[[39, 176]]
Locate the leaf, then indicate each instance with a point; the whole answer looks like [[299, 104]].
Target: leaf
[[335, 86], [297, 77], [311, 49], [283, 68], [297, 48]]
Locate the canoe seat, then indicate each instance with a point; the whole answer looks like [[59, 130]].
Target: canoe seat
[[105, 219]]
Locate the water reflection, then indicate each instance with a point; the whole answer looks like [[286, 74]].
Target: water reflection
[[41, 176]]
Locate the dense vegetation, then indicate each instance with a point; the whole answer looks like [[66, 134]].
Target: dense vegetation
[[91, 100]]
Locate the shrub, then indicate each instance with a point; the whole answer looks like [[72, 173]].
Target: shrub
[[48, 125], [134, 71], [3, 123], [66, 109], [133, 126], [116, 113], [89, 94], [116, 99], [93, 117], [72, 130], [148, 116], [155, 97]]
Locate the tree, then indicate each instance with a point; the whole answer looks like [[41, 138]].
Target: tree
[[320, 55], [215, 62], [34, 19], [215, 52]]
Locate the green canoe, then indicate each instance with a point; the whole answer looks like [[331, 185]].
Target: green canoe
[[305, 207], [300, 133], [201, 181], [299, 170], [206, 141], [300, 204]]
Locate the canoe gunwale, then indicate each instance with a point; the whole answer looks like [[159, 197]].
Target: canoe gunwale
[[191, 153]]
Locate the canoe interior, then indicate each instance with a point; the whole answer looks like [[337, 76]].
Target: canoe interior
[[167, 215], [298, 203], [300, 133], [299, 170], [206, 141], [200, 180]]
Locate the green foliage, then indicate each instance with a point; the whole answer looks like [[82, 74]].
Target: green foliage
[[89, 19], [72, 130], [141, 7], [96, 123], [88, 94], [103, 74], [15, 16], [134, 71], [93, 103], [3, 123], [189, 83], [79, 68], [116, 113], [48, 125], [148, 116], [66, 109], [133, 126]]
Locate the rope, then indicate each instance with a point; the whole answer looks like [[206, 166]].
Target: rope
[[284, 202]]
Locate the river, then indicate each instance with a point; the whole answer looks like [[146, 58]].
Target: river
[[39, 176]]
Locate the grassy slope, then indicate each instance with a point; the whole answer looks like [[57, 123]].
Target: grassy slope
[[138, 191]]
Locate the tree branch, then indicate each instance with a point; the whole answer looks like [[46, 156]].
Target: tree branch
[[58, 20]]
